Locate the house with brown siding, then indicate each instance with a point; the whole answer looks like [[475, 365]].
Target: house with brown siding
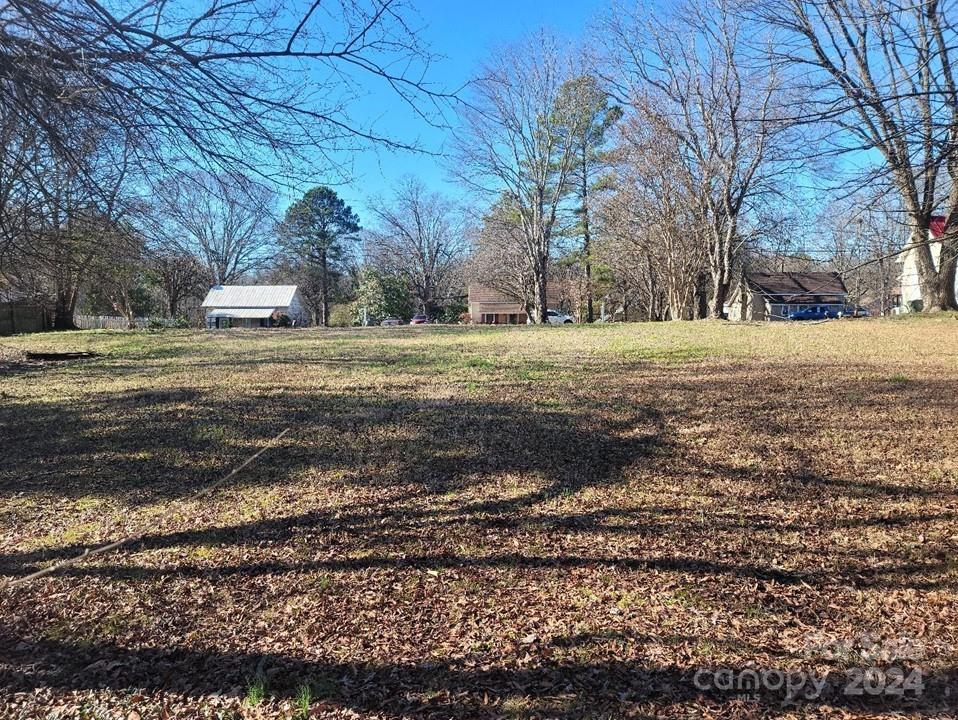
[[488, 306]]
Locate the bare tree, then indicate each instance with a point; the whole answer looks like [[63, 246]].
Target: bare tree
[[655, 218], [20, 193], [691, 75], [193, 102], [881, 73], [55, 226], [227, 221], [119, 272], [178, 274], [514, 144], [865, 235], [421, 237], [226, 85], [499, 259]]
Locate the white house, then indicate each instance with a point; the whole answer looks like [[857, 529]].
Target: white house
[[252, 306], [910, 287]]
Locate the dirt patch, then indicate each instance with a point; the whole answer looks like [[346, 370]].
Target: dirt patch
[[15, 361], [60, 356]]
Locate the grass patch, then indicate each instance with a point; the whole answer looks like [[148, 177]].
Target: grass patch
[[302, 701], [255, 691]]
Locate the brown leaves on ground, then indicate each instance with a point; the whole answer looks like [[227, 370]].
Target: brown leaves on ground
[[541, 522]]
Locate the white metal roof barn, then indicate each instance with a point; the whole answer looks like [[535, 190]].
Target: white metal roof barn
[[253, 306]]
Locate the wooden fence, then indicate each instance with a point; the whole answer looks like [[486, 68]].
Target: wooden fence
[[108, 322], [23, 318]]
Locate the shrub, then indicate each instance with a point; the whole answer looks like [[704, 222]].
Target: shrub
[[180, 322], [341, 316]]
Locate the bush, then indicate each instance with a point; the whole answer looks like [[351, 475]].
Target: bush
[[453, 312], [180, 322], [342, 316]]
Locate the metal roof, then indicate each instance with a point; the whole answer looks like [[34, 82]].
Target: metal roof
[[239, 313], [250, 296]]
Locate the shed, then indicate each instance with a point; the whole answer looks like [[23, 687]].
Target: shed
[[251, 306]]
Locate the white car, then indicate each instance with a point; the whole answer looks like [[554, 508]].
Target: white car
[[557, 318], [391, 322]]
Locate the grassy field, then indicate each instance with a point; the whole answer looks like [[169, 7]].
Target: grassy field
[[481, 522]]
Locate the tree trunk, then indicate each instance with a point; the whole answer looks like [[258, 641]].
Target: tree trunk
[[540, 283], [66, 300], [929, 280], [721, 268], [173, 292], [586, 238], [702, 298], [324, 287], [718, 300], [428, 302], [948, 260]]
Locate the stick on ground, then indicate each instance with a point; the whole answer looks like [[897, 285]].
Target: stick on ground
[[133, 538]]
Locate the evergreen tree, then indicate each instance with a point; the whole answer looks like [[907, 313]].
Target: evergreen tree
[[318, 230]]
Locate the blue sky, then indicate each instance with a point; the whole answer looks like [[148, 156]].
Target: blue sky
[[464, 34]]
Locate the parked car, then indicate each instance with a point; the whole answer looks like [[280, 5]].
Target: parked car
[[815, 312], [419, 319], [391, 322], [851, 311], [556, 318]]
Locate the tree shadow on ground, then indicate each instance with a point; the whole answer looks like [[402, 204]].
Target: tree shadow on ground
[[441, 689], [419, 450], [504, 486], [150, 445]]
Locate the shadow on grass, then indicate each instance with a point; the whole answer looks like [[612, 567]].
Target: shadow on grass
[[439, 463], [149, 445], [559, 689], [416, 449]]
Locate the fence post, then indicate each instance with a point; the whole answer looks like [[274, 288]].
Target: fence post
[[13, 320]]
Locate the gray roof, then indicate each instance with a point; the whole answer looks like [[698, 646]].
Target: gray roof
[[250, 296], [799, 287]]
